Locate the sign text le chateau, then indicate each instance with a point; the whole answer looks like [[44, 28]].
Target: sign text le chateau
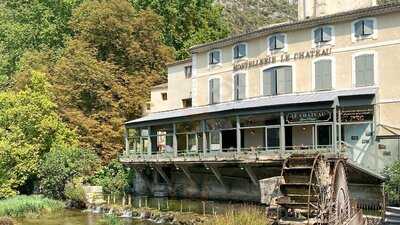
[[270, 59]]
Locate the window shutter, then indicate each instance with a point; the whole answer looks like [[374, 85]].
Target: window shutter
[[358, 28], [236, 52], [288, 80], [369, 71], [280, 41], [317, 35], [216, 91], [368, 27], [323, 75], [210, 91], [242, 50], [210, 58], [269, 82], [242, 86], [236, 87], [364, 70], [272, 43], [284, 80], [327, 34]]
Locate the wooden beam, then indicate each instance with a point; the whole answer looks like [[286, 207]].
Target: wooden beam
[[217, 174], [252, 175], [187, 173], [162, 173]]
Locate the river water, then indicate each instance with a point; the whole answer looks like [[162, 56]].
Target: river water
[[73, 217]]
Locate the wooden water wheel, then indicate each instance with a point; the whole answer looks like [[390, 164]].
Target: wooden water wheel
[[314, 191]]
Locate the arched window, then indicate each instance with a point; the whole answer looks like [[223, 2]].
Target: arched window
[[277, 80]]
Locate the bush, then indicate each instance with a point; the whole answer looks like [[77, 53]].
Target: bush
[[246, 215], [392, 185], [21, 205], [75, 193], [114, 178], [63, 165]]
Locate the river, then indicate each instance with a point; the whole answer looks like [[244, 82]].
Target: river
[[73, 217]]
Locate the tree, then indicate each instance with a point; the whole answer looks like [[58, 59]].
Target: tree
[[113, 178], [31, 24], [29, 127], [187, 22], [392, 185]]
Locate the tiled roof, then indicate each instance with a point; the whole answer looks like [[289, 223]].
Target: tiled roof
[[267, 101]]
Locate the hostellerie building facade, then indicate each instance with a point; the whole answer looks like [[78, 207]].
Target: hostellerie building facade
[[232, 113]]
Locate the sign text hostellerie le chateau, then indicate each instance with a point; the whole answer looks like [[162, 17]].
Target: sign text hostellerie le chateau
[[286, 57]]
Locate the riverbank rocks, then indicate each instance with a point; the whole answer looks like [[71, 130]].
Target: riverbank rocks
[[6, 221]]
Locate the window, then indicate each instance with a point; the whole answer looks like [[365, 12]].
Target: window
[[187, 103], [214, 57], [164, 96], [277, 80], [364, 28], [214, 91], [323, 34], [188, 72], [148, 106], [239, 86], [277, 42], [323, 75], [364, 70], [239, 51]]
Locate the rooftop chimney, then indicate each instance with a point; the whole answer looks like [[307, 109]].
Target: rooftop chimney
[[315, 8]]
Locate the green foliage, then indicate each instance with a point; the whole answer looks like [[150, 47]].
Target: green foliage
[[110, 220], [247, 215], [392, 185], [21, 205], [187, 22], [63, 165], [114, 178], [29, 127], [75, 192], [31, 25]]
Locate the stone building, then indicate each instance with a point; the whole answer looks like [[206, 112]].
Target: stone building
[[232, 113]]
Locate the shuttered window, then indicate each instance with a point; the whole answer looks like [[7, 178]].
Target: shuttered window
[[278, 80], [277, 42], [239, 51], [364, 70], [239, 86], [214, 57], [364, 28], [323, 75], [322, 34], [214, 91]]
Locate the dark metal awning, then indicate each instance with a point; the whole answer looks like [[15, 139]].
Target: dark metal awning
[[253, 103]]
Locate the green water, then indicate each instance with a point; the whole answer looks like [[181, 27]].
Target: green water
[[73, 217]]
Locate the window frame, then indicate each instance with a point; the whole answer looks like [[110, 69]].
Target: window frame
[[164, 94], [188, 73], [233, 51], [376, 63], [325, 43], [333, 72], [294, 76], [220, 57], [374, 35], [285, 44], [208, 90], [246, 93]]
